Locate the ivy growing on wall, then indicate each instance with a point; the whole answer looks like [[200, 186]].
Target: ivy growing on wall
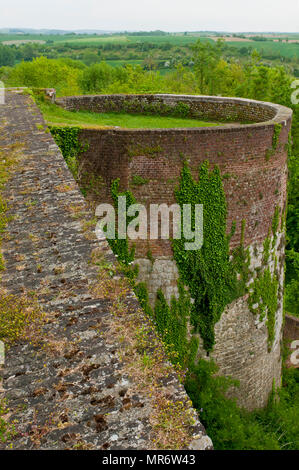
[[264, 301], [275, 139], [172, 324], [121, 247], [212, 275], [171, 321], [276, 134], [137, 180], [275, 225], [208, 272], [263, 297], [67, 140]]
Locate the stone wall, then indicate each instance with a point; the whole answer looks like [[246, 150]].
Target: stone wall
[[254, 173], [207, 107]]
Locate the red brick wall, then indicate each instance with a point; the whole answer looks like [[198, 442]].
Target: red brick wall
[[253, 184]]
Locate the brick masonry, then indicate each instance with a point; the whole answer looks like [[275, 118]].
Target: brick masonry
[[254, 185]]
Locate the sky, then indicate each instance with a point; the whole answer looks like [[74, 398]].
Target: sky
[[167, 15]]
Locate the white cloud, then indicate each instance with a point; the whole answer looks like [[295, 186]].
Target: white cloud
[[169, 15]]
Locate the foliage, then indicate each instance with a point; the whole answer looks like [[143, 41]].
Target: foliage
[[152, 49], [97, 77], [119, 246], [276, 134], [292, 282], [142, 294], [230, 427], [7, 56], [263, 300], [292, 252], [293, 204], [7, 430], [45, 73], [137, 180], [206, 58], [208, 272], [67, 140], [172, 325], [20, 318]]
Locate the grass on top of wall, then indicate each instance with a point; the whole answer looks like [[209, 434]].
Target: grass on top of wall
[[55, 115]]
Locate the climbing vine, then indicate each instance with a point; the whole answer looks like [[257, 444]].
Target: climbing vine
[[275, 139], [137, 180], [172, 324], [208, 272], [210, 277], [276, 134], [67, 140], [119, 246], [263, 296], [263, 300], [275, 225]]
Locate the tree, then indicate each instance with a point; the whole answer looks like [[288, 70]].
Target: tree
[[206, 58], [7, 56], [46, 73], [149, 63], [97, 77]]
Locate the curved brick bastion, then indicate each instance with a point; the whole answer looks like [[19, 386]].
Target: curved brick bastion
[[252, 158]]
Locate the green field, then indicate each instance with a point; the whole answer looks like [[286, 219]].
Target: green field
[[122, 62], [55, 115], [269, 48], [134, 49], [86, 39], [174, 40], [35, 37]]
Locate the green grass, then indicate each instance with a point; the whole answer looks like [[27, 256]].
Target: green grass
[[123, 62], [172, 39], [269, 48], [55, 115], [33, 37]]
